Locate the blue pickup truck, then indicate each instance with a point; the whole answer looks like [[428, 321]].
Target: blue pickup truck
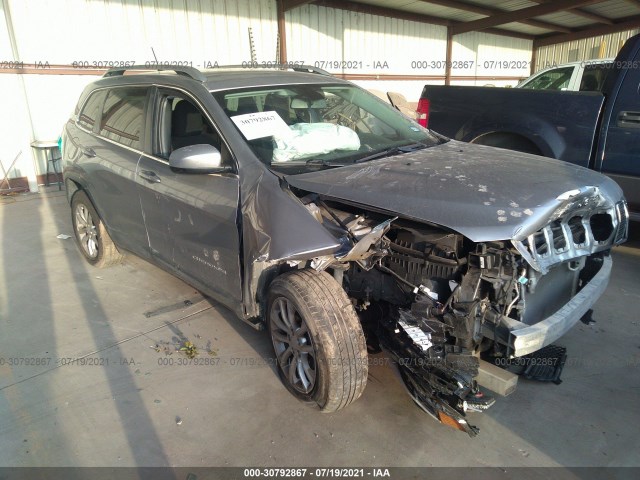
[[598, 130]]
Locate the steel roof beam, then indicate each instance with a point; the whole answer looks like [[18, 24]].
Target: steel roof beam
[[289, 4], [519, 15], [383, 12], [480, 10], [591, 31], [413, 17], [584, 14]]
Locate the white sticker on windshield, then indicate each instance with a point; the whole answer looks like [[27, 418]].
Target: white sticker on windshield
[[261, 124]]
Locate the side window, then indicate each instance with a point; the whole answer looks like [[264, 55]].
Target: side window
[[556, 79], [182, 124], [593, 77], [122, 116], [91, 110]]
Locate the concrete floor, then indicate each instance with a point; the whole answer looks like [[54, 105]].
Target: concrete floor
[[136, 411]]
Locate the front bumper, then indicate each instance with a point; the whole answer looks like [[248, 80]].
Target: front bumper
[[525, 339]]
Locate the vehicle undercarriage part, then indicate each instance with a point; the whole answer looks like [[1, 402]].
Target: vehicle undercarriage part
[[545, 365], [438, 376]]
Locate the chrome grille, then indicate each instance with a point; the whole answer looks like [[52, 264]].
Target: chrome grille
[[570, 237], [584, 223], [623, 223]]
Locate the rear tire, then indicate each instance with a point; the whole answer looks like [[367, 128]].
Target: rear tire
[[90, 233], [318, 339]]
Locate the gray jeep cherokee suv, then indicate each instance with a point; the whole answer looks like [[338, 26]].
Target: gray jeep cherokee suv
[[311, 208]]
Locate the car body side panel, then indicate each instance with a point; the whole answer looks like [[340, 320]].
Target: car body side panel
[[560, 124], [112, 175], [109, 177], [191, 221], [107, 171], [276, 227], [618, 153]]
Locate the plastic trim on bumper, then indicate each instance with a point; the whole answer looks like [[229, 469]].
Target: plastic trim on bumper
[[532, 338]]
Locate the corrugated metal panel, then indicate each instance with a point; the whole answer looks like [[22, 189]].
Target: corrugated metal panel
[[491, 55], [348, 42], [507, 5], [103, 30], [389, 3], [443, 12], [524, 28], [614, 9], [606, 46], [195, 32], [566, 19], [15, 123]]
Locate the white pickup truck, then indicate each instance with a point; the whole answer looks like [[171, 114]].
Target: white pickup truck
[[584, 76]]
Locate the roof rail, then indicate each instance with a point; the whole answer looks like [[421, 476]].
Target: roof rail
[[310, 69], [190, 72], [275, 66]]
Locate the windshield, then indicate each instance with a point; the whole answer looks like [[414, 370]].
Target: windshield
[[297, 128]]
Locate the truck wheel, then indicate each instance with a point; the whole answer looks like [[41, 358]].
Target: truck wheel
[[317, 338], [508, 141], [90, 233]]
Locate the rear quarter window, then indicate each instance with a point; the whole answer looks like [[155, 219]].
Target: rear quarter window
[[122, 116], [91, 110]]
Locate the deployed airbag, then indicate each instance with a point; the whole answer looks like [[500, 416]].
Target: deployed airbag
[[306, 139]]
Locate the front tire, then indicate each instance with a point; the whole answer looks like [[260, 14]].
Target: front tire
[[90, 233], [317, 338]]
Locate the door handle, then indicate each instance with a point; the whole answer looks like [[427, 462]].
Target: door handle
[[629, 119], [149, 176], [88, 152]]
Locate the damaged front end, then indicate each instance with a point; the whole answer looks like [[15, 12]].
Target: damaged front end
[[436, 300]]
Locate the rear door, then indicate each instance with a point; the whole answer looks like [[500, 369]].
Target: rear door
[[191, 219], [111, 161]]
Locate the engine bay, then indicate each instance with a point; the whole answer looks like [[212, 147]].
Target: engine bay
[[436, 301]]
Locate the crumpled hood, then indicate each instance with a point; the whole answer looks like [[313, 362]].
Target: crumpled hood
[[484, 193]]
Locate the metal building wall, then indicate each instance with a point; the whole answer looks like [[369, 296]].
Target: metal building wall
[[358, 44], [490, 59], [364, 45], [15, 122], [319, 34], [51, 35], [178, 30], [607, 46]]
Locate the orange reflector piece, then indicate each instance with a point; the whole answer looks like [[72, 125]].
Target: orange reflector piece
[[449, 421]]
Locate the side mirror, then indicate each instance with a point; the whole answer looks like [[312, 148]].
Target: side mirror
[[200, 158]]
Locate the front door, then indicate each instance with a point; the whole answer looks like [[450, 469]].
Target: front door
[[191, 219]]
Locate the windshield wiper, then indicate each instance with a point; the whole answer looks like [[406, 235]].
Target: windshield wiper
[[323, 162], [393, 151]]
